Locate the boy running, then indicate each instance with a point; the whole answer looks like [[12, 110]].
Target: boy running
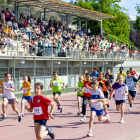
[[56, 86]]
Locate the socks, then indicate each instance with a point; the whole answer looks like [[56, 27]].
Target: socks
[[130, 105], [90, 130], [4, 115]]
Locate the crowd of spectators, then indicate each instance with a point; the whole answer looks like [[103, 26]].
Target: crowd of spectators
[[53, 37]]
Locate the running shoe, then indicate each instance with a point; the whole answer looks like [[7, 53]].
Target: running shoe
[[22, 114], [61, 110], [20, 118], [108, 119], [89, 134], [59, 107], [108, 104], [121, 121], [130, 108], [79, 113], [50, 133], [83, 119], [3, 118]]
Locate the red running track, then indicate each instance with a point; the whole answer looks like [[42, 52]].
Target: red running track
[[67, 125]]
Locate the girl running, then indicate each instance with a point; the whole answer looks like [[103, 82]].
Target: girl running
[[131, 82], [121, 91], [105, 90], [56, 85], [79, 93], [86, 96], [96, 105], [40, 105], [26, 87], [9, 97]]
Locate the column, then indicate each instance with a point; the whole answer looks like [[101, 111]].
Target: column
[[101, 26], [79, 25], [80, 67], [66, 20], [51, 66], [34, 71], [112, 65]]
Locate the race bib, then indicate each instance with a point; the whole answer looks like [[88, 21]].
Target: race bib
[[55, 83], [38, 110], [87, 90], [120, 92], [129, 84], [79, 88], [24, 90]]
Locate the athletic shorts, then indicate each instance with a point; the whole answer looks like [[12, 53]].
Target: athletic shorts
[[59, 93], [41, 122], [98, 112], [10, 101], [28, 98], [106, 94], [118, 102], [132, 93]]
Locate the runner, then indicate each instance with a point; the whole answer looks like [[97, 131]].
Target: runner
[[95, 74], [26, 87], [56, 86], [86, 96], [107, 85], [121, 73], [9, 97], [84, 76], [131, 82], [40, 105], [121, 91], [133, 73], [96, 105], [79, 93]]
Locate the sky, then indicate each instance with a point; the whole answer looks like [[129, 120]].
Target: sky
[[128, 4]]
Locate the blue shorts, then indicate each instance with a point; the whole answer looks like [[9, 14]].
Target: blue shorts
[[28, 98], [118, 102], [132, 93], [41, 122], [98, 112]]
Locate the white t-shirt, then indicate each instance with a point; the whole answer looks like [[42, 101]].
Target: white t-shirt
[[9, 94], [9, 23]]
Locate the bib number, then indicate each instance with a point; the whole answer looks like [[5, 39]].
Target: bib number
[[38, 110], [120, 92], [87, 90], [129, 84], [55, 83], [79, 88], [24, 90]]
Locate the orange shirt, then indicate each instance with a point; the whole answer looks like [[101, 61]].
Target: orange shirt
[[105, 86], [87, 92], [130, 52]]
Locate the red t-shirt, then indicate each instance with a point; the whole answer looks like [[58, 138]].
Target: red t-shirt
[[105, 86], [133, 73], [40, 105], [87, 91]]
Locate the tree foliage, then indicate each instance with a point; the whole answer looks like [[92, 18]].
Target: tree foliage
[[118, 26], [137, 23]]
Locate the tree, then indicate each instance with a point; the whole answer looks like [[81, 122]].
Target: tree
[[118, 26], [137, 23]]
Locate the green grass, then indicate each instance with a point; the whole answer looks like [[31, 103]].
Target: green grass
[[45, 92]]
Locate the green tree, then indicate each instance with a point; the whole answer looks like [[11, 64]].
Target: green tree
[[137, 23], [118, 26]]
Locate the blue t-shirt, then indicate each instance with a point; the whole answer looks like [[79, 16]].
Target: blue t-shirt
[[95, 74]]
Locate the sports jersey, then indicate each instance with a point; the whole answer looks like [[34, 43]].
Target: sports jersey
[[105, 84], [6, 93], [95, 74], [40, 105], [56, 85], [123, 74], [95, 95], [119, 90], [131, 82], [133, 73], [80, 86], [87, 91], [26, 92]]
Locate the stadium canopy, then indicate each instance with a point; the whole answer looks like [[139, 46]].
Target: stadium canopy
[[65, 8]]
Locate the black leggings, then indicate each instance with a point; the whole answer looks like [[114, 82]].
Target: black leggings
[[85, 102]]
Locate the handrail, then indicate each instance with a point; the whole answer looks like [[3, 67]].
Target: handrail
[[121, 41]]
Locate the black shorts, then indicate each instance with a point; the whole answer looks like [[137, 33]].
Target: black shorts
[[59, 93], [132, 93], [106, 94], [118, 102], [41, 122]]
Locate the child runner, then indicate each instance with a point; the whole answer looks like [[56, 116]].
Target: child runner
[[121, 73], [56, 85], [26, 87], [121, 91], [96, 105], [131, 82], [79, 93], [105, 90], [9, 97], [40, 105], [95, 74], [86, 96]]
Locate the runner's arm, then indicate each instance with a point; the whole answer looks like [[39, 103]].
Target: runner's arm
[[28, 109]]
